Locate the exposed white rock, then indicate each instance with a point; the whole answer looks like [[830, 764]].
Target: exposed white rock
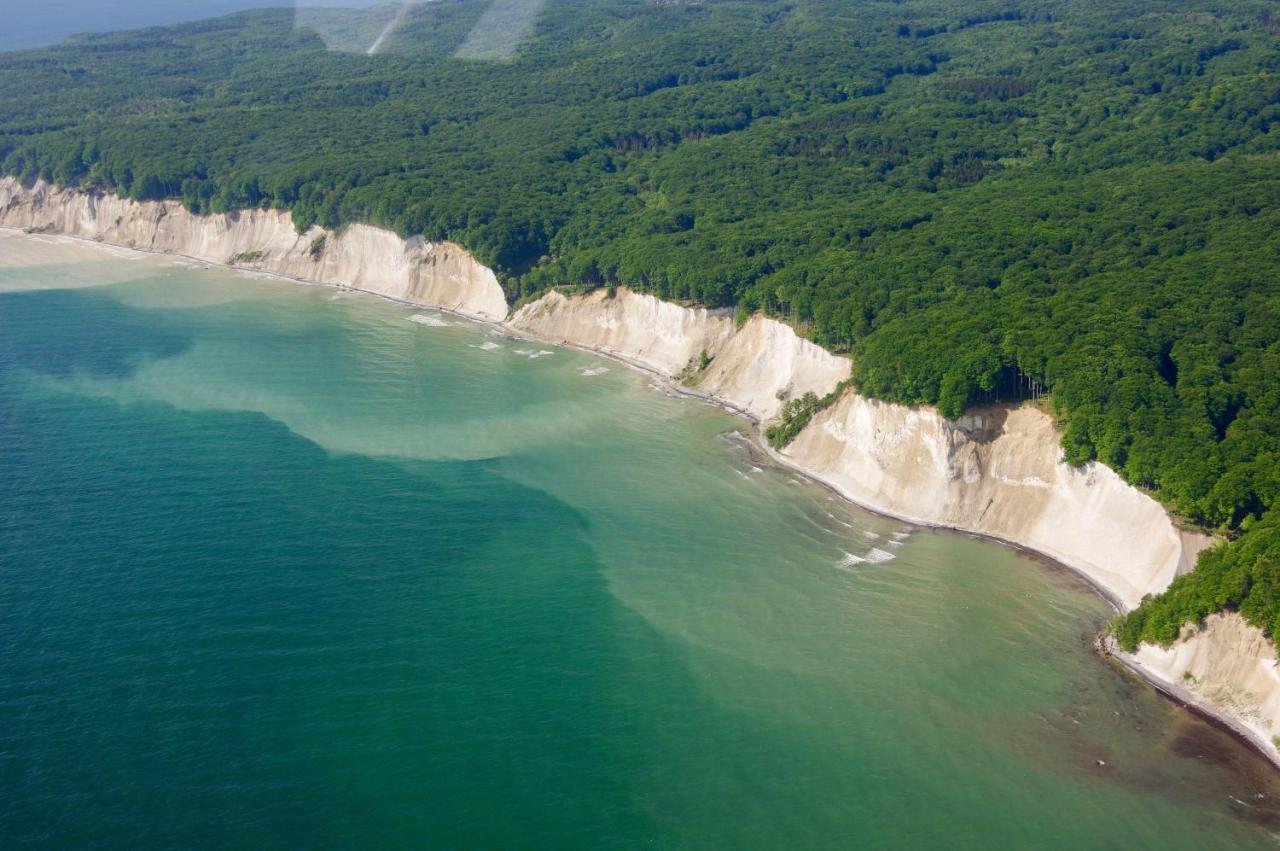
[[1226, 667], [755, 368], [440, 274], [998, 471], [656, 334], [766, 363]]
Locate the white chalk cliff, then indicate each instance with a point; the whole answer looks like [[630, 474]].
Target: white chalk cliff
[[1225, 667], [363, 257], [754, 368], [997, 471]]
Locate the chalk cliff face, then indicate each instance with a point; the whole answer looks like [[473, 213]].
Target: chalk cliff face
[[1227, 667], [755, 368], [996, 471], [441, 274], [656, 334], [765, 364]]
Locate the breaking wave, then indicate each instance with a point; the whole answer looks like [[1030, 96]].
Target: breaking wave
[[873, 556]]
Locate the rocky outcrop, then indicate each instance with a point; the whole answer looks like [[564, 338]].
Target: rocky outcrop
[[363, 257], [755, 367]]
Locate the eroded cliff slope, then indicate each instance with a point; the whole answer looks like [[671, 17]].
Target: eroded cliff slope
[[1226, 667], [367, 258], [755, 367], [998, 471]]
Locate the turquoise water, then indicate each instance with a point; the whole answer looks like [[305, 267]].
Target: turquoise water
[[286, 567]]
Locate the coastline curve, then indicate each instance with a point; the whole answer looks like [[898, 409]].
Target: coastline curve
[[997, 472]]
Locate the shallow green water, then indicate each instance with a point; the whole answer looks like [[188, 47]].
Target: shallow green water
[[281, 567]]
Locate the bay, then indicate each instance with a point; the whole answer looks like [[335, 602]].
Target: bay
[[290, 566]]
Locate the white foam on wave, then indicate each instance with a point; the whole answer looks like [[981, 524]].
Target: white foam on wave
[[898, 536], [868, 533], [659, 387], [873, 556], [429, 320], [486, 346], [593, 370], [838, 520]]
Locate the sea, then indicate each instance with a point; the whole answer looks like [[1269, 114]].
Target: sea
[[30, 24], [289, 566]]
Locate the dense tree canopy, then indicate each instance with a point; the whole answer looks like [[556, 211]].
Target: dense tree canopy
[[978, 199]]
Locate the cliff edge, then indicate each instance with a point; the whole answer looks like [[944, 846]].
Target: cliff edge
[[361, 257]]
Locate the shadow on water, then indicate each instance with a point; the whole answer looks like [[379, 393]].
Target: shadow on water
[[1252, 790], [1213, 765], [113, 341]]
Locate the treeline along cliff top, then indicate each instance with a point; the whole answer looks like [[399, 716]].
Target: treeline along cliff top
[[977, 199]]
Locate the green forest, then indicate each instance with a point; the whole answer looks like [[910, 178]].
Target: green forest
[[978, 200]]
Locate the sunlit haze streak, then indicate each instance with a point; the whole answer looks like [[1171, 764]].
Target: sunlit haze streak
[[389, 28]]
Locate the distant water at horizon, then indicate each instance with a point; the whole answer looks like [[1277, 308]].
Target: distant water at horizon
[[30, 24], [286, 566]]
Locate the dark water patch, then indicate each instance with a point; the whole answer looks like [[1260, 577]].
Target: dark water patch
[[220, 595], [65, 332], [1212, 768], [1253, 790]]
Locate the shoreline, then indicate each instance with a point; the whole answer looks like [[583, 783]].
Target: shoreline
[[1176, 694], [1104, 646]]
